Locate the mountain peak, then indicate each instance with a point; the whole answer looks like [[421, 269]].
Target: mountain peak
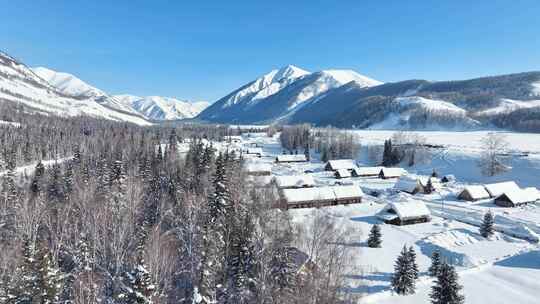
[[290, 71], [346, 76]]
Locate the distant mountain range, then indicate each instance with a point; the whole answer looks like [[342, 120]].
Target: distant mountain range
[[154, 108], [346, 99], [341, 98]]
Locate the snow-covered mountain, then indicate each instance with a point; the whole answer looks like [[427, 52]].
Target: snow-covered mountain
[[278, 94], [20, 85], [162, 108]]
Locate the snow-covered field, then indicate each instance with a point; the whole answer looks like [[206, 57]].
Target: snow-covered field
[[503, 269]]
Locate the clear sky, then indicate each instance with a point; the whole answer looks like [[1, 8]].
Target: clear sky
[[204, 49]]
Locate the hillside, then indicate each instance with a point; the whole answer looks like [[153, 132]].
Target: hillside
[[20, 85], [346, 99], [158, 108]]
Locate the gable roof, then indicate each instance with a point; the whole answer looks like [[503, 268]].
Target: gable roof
[[367, 171], [407, 184], [322, 193], [343, 173], [476, 192], [393, 172], [497, 189], [337, 164], [521, 196], [290, 181], [405, 210]]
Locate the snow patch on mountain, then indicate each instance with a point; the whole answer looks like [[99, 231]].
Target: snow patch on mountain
[[509, 105], [330, 79], [417, 112], [67, 83], [265, 86]]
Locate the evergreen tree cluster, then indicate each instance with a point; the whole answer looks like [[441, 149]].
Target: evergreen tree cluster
[[405, 272]]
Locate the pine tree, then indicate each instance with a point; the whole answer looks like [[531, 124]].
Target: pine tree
[[28, 289], [429, 187], [447, 289], [403, 280], [486, 229], [141, 289], [39, 171], [412, 262], [435, 267], [374, 239], [283, 270], [50, 277]]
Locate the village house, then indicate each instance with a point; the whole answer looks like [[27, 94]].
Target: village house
[[514, 198], [366, 171], [497, 189], [258, 152], [405, 213], [321, 196], [258, 169], [291, 158], [233, 139], [473, 193], [342, 173], [294, 181], [387, 173], [336, 164], [409, 184]]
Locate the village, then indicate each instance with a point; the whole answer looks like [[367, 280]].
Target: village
[[428, 212]]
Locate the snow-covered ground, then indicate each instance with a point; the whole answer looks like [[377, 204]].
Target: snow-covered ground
[[503, 269]]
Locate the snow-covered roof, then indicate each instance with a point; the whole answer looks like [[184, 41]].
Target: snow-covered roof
[[497, 189], [322, 193], [407, 184], [367, 171], [522, 196], [343, 173], [337, 164], [258, 167], [405, 210], [477, 192], [291, 181], [308, 194], [351, 191], [254, 151], [291, 158], [393, 172]]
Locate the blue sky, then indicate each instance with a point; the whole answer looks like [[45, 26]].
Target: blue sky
[[204, 49]]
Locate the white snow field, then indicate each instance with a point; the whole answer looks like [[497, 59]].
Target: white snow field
[[502, 269]]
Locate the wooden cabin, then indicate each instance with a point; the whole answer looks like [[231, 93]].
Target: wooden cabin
[[321, 196], [473, 193], [411, 185], [258, 152], [342, 173], [291, 158], [294, 181], [366, 171], [517, 198], [336, 164], [387, 173], [405, 213], [258, 169], [498, 189]]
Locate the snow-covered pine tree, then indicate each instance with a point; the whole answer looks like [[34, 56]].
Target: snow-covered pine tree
[[403, 279], [68, 179], [447, 289], [375, 237], [429, 187], [39, 171], [220, 200], [283, 271], [28, 288], [242, 261], [50, 277], [486, 229], [412, 262], [435, 263], [140, 287]]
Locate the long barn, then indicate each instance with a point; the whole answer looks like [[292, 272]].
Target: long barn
[[321, 196]]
